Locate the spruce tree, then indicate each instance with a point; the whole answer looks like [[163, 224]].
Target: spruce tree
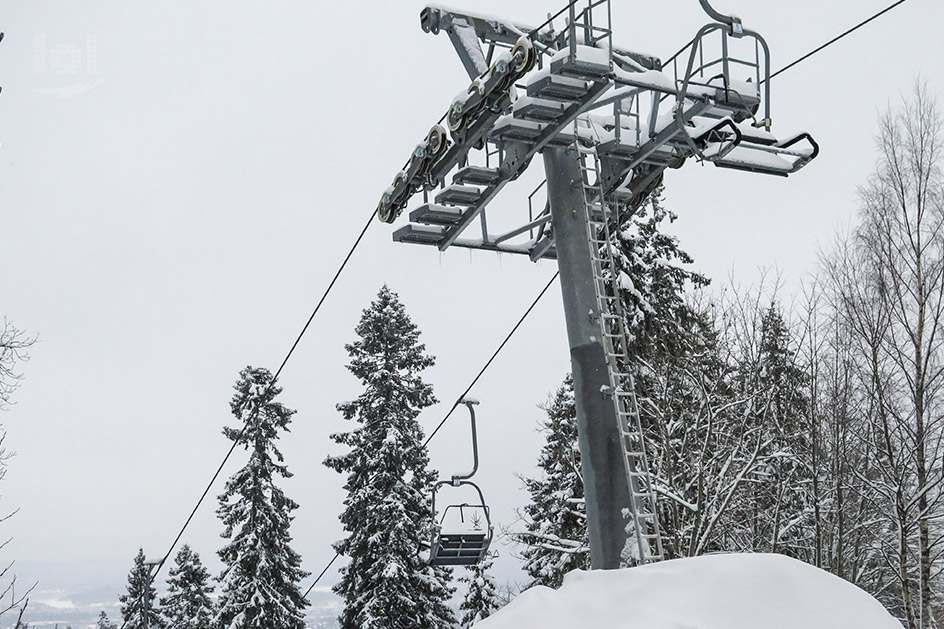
[[481, 598], [783, 506], [104, 623], [387, 515], [654, 280], [188, 604], [138, 609], [556, 540], [667, 342], [783, 377], [261, 574]]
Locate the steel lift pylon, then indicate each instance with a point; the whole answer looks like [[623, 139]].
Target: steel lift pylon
[[607, 122]]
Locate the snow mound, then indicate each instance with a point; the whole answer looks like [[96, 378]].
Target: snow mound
[[729, 591]]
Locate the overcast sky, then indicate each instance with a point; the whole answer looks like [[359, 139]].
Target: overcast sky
[[179, 181]]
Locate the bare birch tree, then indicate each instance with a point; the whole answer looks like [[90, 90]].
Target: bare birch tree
[[887, 289], [14, 344], [902, 236]]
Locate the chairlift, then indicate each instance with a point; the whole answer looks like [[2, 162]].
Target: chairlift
[[747, 144], [464, 542], [717, 74]]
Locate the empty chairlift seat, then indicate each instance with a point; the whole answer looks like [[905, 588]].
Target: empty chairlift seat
[[463, 543], [779, 158]]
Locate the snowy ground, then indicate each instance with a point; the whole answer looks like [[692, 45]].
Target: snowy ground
[[736, 591]]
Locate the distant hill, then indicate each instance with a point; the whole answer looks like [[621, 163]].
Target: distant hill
[[79, 608]]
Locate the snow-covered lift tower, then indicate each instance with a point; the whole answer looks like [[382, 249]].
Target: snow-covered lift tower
[[607, 121]]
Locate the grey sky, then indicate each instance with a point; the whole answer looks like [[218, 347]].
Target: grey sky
[[179, 181]]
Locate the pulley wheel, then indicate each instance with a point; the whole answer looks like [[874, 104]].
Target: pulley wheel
[[435, 141], [385, 213], [455, 120], [527, 58]]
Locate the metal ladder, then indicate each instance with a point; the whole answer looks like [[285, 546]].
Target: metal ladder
[[616, 344]]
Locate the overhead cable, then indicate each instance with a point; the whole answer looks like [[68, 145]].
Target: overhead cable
[[837, 38]]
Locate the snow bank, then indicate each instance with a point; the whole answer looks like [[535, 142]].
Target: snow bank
[[736, 591]]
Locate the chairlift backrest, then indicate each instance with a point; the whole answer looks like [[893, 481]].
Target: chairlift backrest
[[460, 545]]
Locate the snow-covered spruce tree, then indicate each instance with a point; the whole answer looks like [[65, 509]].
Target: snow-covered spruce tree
[[481, 598], [666, 337], [711, 452], [188, 604], [654, 280], [261, 574], [772, 516], [787, 526], [555, 540], [104, 623], [386, 585], [138, 609]]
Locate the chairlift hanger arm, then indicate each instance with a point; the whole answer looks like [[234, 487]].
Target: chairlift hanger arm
[[733, 23], [460, 483], [458, 479]]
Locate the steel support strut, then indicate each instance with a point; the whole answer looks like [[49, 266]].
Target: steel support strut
[[604, 477]]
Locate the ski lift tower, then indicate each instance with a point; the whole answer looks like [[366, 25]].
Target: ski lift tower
[[607, 122]]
